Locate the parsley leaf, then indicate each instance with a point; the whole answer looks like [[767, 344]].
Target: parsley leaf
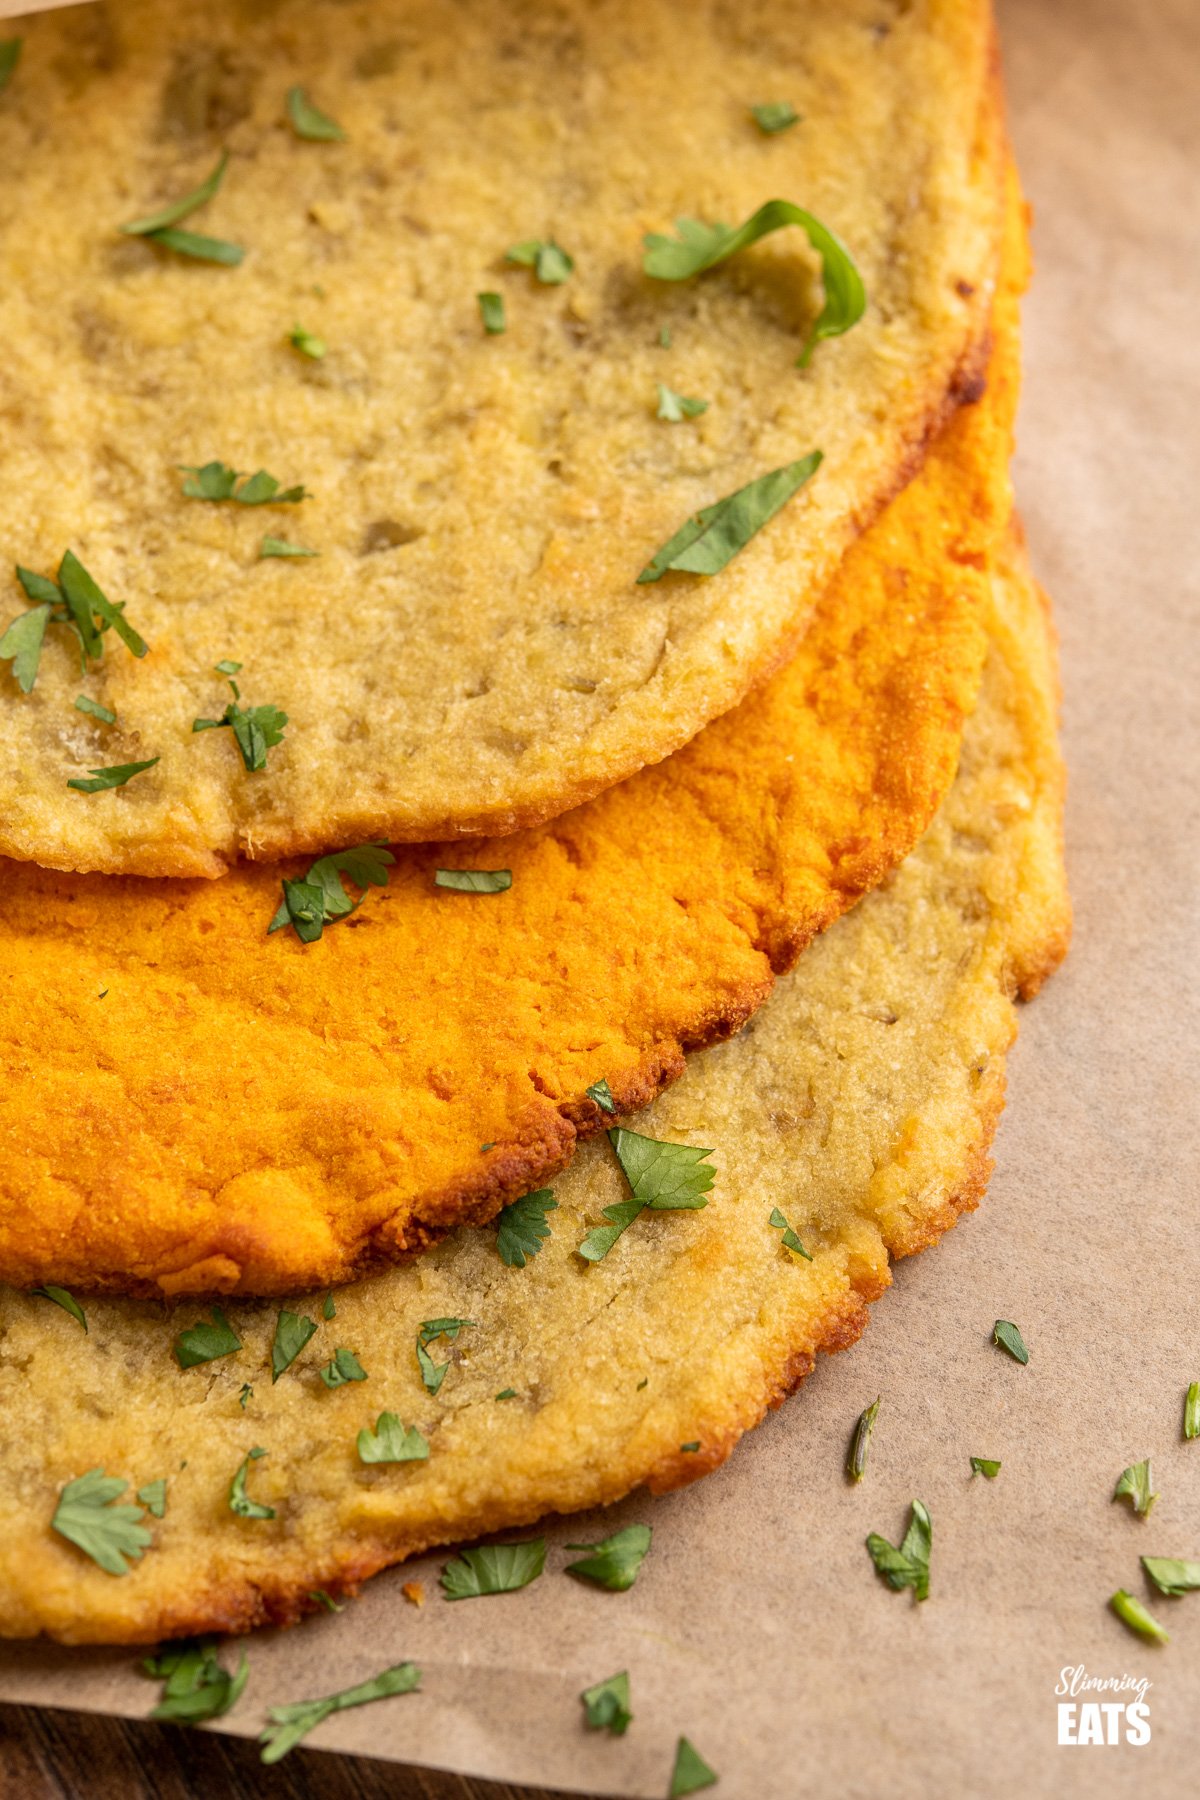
[[909, 1565], [292, 1332], [114, 777], [344, 1367], [273, 546], [691, 1772], [856, 1462], [308, 121], [10, 56], [474, 881], [247, 1393], [88, 1518], [690, 1449], [84, 597], [601, 1093], [216, 481], [239, 1500], [320, 899], [159, 226], [507, 1394], [676, 407], [548, 260], [713, 536], [1172, 1577], [985, 1465], [21, 645], [307, 343], [522, 1227], [329, 1308], [93, 709], [662, 1176], [1131, 1612], [491, 312], [288, 1724], [326, 1600], [700, 246], [196, 1687], [1005, 1333], [256, 729], [774, 116], [392, 1442], [433, 1374], [614, 1562], [206, 1342], [154, 1497], [1191, 1403], [75, 600], [493, 1569], [790, 1240], [1134, 1484], [607, 1705], [62, 1298], [204, 249]]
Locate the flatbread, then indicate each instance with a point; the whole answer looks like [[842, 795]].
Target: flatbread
[[470, 651], [861, 1101]]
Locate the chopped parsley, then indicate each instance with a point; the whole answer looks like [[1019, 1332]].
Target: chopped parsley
[[94, 710], [676, 407], [474, 881], [548, 260], [88, 1517], [154, 1497], [329, 1308], [664, 337], [292, 1332], [491, 312], [986, 1466], [308, 121], [774, 116], [10, 56], [196, 1687], [713, 536], [216, 481], [691, 1772], [1172, 1577], [493, 1569], [326, 1600], [699, 246], [1135, 1485], [691, 1448], [907, 1567], [247, 1393], [614, 1562], [1191, 1411], [73, 599], [344, 1367], [1139, 1618], [239, 1500], [433, 1374], [607, 1705], [664, 1177], [790, 1240], [320, 899], [256, 729], [1005, 1333], [206, 1342], [601, 1093], [507, 1394], [307, 343], [522, 1227], [62, 1298], [288, 1724], [159, 227], [273, 546], [113, 777], [856, 1462], [391, 1442]]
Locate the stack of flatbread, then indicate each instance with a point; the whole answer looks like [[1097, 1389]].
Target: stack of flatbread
[[528, 774]]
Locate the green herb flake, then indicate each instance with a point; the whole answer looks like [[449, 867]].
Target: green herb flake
[[713, 537], [907, 1567], [856, 1462], [1005, 1333], [288, 1724], [196, 1687], [159, 226], [548, 260], [699, 246], [433, 1374], [203, 249], [239, 1500], [344, 1367], [775, 116], [329, 1308], [601, 1093], [614, 1562], [74, 600], [114, 777], [790, 1240], [154, 1497], [62, 1298], [273, 546], [474, 881], [607, 1705], [1137, 1617], [676, 407], [1135, 1486], [10, 56], [986, 1466], [1171, 1576], [307, 343], [256, 729], [690, 1449], [392, 1442], [493, 1569], [665, 1177], [206, 1342], [691, 1772], [88, 1517], [507, 1394], [320, 899], [523, 1227], [292, 1332], [491, 312], [93, 709], [1191, 1402], [664, 337], [21, 644], [326, 1600], [247, 1393], [217, 482], [308, 121]]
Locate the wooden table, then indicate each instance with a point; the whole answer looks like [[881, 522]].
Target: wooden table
[[49, 1755]]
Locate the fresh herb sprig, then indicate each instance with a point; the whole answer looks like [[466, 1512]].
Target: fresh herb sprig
[[320, 899], [74, 599], [288, 1724]]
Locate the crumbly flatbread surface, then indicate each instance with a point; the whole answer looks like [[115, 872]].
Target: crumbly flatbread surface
[[861, 1101], [470, 651], [194, 1106]]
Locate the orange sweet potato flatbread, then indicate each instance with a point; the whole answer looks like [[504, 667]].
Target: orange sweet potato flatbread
[[192, 1105]]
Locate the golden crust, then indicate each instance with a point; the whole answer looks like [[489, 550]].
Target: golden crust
[[862, 1100], [470, 652]]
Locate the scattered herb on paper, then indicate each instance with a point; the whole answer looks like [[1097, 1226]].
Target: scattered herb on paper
[[1191, 1411], [856, 1462], [614, 1562], [907, 1567], [691, 1772], [986, 1466], [493, 1569], [1005, 1333], [1135, 1486], [196, 1687], [1139, 1618], [607, 1705], [1171, 1576], [288, 1724]]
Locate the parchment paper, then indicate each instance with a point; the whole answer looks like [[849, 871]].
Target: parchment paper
[[757, 1626]]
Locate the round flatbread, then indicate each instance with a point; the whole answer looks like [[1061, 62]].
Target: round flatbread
[[860, 1102], [471, 650]]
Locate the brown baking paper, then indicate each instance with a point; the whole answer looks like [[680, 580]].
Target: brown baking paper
[[757, 1626]]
